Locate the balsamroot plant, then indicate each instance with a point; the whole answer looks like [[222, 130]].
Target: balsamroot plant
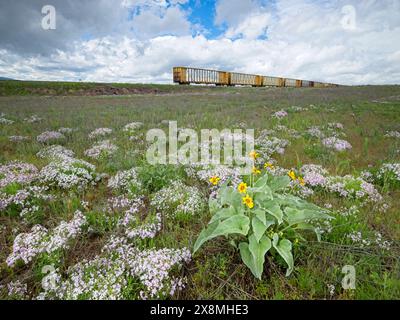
[[263, 217]]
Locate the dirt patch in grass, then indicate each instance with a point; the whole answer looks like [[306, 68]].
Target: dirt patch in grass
[[85, 248]]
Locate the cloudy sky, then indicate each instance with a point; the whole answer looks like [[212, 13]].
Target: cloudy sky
[[348, 42]]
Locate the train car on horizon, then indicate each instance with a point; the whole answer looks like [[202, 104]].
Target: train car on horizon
[[188, 75]]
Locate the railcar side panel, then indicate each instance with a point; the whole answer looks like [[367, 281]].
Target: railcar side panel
[[243, 79], [290, 82], [270, 81]]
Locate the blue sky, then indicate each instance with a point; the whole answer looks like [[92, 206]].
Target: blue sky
[[341, 41], [203, 12], [198, 12]]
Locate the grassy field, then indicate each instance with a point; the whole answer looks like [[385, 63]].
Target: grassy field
[[360, 191], [43, 88]]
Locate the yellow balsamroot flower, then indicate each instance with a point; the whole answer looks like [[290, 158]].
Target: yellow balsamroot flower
[[242, 187], [248, 201], [292, 175], [255, 170], [301, 181], [268, 165], [254, 155], [214, 180]]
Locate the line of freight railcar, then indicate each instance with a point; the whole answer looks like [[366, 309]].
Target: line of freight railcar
[[188, 75]]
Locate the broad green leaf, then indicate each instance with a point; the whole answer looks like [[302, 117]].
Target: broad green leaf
[[269, 221], [258, 250], [223, 214], [205, 235], [274, 209], [225, 195], [279, 182], [236, 224], [284, 248], [253, 254], [294, 215], [261, 182], [295, 202], [260, 214], [213, 205], [258, 228], [236, 199], [247, 257], [240, 210], [265, 218], [262, 194], [231, 196]]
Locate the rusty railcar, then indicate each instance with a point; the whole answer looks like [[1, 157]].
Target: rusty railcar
[[188, 75]]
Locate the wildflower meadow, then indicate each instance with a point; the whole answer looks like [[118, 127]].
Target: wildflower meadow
[[84, 215]]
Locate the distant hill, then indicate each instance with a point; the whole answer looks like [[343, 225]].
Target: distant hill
[[4, 78]]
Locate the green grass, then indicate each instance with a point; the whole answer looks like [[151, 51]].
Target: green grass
[[216, 271]]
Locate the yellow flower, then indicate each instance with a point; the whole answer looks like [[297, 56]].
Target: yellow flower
[[268, 165], [256, 171], [296, 241], [248, 201], [242, 187], [254, 155], [292, 175], [301, 181], [214, 180]]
